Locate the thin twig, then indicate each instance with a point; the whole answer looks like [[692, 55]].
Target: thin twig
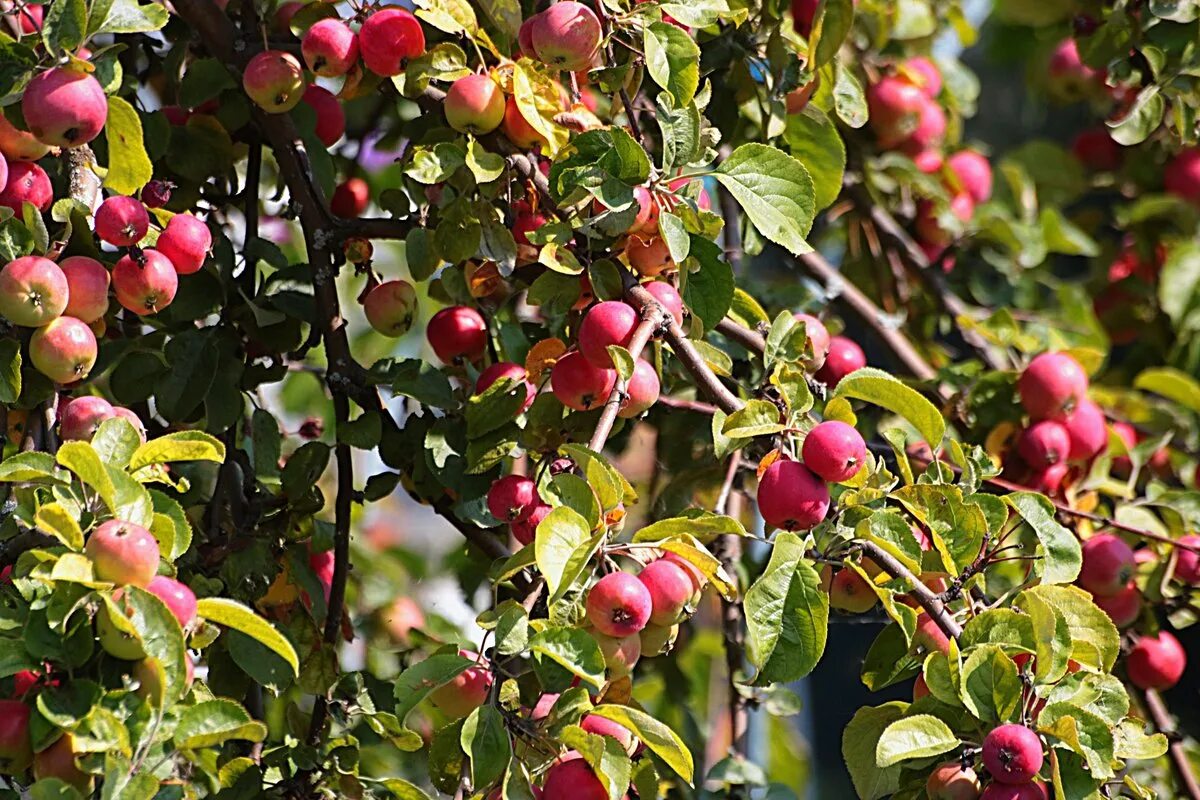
[[728, 549], [653, 316], [924, 597]]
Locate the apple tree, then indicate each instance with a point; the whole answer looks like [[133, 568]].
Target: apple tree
[[688, 330]]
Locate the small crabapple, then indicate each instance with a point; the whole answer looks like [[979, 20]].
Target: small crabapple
[[578, 384], [791, 497], [1052, 385], [834, 450], [64, 350], [642, 390], [1012, 754], [611, 322], [619, 605]]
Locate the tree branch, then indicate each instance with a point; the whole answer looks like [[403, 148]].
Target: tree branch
[[924, 597], [934, 280], [1161, 717]]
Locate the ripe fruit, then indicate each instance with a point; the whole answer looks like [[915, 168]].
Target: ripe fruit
[[329, 47], [1124, 607], [132, 419], [1087, 432], [834, 450], [1108, 564], [350, 198], [274, 80], [791, 497], [145, 283], [1156, 662], [845, 356], [1048, 480], [19, 145], [920, 687], [952, 782], [603, 726], [64, 108], [27, 183], [58, 761], [122, 221], [474, 104], [391, 307], [668, 297], [930, 128], [565, 36], [573, 779], [895, 107], [457, 332], [641, 391], [1187, 562], [1097, 150], [973, 172], [15, 748], [518, 129], [922, 72], [646, 219], [1018, 791], [186, 241], [1182, 176], [818, 339], [578, 384], [848, 591], [609, 323], [388, 39], [331, 119], [156, 194], [671, 590], [1044, 443], [1052, 386], [524, 530], [648, 255], [177, 597], [512, 497], [620, 654], [33, 291], [803, 14], [526, 221], [929, 635], [1012, 754], [64, 351], [87, 285], [123, 553], [619, 605], [467, 692], [1070, 77], [506, 369], [82, 417], [929, 229]]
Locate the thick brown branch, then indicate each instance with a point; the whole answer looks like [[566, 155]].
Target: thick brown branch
[[924, 597], [751, 340], [1160, 715]]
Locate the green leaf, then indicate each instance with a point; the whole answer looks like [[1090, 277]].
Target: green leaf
[[707, 526], [990, 687], [127, 16], [84, 461], [849, 100], [418, 681], [129, 168], [758, 418], [213, 722], [859, 741], [1093, 637], [485, 166], [65, 25], [1173, 384], [830, 28], [304, 468], [179, 446], [673, 60], [485, 741], [1140, 120], [879, 388], [168, 508], [1062, 556], [1084, 733], [31, 467], [656, 735], [814, 140], [919, 736], [160, 636], [573, 649], [1179, 281], [564, 545], [775, 191], [680, 126], [55, 520], [606, 757], [787, 615], [115, 442], [708, 289], [10, 371], [204, 80], [233, 614]]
